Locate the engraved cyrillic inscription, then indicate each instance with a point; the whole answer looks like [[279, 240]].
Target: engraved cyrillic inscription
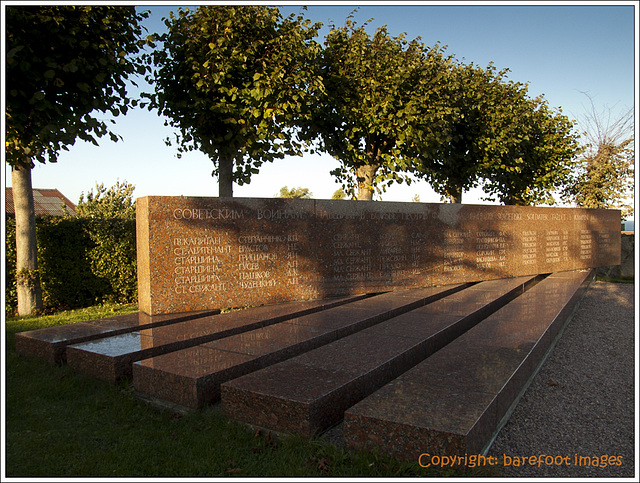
[[529, 247], [256, 255], [392, 256], [291, 258], [491, 249], [199, 253], [454, 249], [553, 246], [605, 244], [586, 245], [351, 258], [197, 263]]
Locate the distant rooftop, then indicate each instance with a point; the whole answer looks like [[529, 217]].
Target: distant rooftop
[[49, 202]]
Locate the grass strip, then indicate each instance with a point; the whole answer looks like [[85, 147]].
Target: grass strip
[[62, 424]]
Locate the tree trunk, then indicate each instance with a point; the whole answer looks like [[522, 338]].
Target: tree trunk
[[27, 275], [225, 177], [365, 175], [455, 195]]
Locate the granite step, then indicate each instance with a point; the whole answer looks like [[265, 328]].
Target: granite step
[[110, 358], [50, 343], [192, 377], [456, 401], [308, 393]]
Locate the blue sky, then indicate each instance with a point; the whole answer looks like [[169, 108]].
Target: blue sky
[[560, 50]]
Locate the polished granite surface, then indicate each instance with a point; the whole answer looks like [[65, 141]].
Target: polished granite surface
[[118, 352], [371, 358], [138, 320], [193, 386], [266, 340], [450, 401], [272, 344], [454, 400], [200, 252], [480, 296], [50, 343]]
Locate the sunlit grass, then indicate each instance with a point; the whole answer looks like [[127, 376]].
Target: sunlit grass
[[62, 424]]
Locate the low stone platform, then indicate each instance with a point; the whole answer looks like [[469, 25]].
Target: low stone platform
[[111, 358], [191, 377], [457, 399], [434, 369], [309, 393], [51, 343]]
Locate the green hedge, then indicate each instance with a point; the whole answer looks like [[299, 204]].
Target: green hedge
[[82, 262]]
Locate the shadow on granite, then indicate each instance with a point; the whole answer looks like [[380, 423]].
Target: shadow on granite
[[307, 394], [111, 358], [51, 343], [192, 377], [457, 399]]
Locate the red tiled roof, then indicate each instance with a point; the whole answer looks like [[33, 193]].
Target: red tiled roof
[[46, 202]]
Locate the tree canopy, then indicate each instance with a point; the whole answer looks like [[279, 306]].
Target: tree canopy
[[377, 91], [491, 134], [457, 140], [234, 81], [245, 86], [538, 153], [339, 194], [65, 64]]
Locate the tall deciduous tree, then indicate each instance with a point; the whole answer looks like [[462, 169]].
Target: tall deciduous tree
[[455, 147], [604, 176], [491, 133], [377, 89], [537, 157], [64, 64], [234, 81]]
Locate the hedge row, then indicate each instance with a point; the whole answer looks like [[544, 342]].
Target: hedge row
[[82, 262]]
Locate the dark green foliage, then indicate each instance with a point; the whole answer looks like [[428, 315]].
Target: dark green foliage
[[110, 215], [67, 281], [82, 261], [379, 91], [11, 295], [490, 133], [113, 257], [233, 81], [65, 64]]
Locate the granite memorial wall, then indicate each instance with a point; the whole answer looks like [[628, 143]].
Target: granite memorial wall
[[204, 253]]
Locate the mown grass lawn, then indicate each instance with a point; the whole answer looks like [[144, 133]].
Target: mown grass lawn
[[61, 424]]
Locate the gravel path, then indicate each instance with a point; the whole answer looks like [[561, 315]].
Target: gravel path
[[582, 400]]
